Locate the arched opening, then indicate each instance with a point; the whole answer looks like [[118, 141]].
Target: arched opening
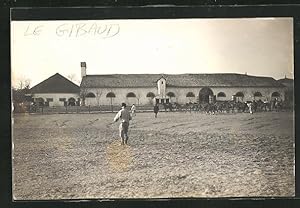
[[150, 95], [71, 101], [40, 101], [239, 96], [205, 94], [275, 95], [132, 99], [190, 97], [110, 95], [221, 94], [130, 95], [257, 94], [90, 95], [190, 94], [171, 94]]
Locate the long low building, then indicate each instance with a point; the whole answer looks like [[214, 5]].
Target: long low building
[[148, 89]]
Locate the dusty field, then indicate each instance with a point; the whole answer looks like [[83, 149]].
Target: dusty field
[[68, 156]]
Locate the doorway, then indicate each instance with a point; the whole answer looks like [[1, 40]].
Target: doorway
[[204, 95]]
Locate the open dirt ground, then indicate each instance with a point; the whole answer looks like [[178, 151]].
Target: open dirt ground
[[76, 156]]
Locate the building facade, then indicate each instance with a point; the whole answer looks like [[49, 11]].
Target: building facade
[[148, 89], [56, 91]]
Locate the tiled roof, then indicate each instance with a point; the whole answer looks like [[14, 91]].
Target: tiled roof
[[178, 80], [55, 84], [286, 82]]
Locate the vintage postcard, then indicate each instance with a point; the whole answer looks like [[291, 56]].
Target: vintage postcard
[[153, 108]]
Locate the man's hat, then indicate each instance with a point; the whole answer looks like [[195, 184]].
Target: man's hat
[[123, 104]]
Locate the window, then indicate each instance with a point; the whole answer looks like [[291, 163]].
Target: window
[[257, 94], [90, 95], [221, 94], [131, 94], [162, 82], [190, 94], [49, 99], [150, 94], [110, 95], [62, 99], [170, 94]]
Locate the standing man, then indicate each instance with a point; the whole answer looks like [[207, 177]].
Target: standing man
[[133, 109], [250, 106], [124, 116], [156, 109]]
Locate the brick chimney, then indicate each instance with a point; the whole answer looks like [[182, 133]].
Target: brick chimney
[[83, 69]]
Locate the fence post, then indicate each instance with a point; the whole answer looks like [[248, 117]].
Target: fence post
[[66, 109], [89, 109], [42, 109]]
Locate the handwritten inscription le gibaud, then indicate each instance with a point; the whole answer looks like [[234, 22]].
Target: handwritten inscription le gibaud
[[77, 30]]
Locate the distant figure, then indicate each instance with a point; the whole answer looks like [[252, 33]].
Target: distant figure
[[124, 116], [156, 109], [133, 109], [250, 106], [278, 105], [267, 105], [245, 106], [254, 104]]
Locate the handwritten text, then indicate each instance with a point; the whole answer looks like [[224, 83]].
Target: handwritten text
[[83, 29]]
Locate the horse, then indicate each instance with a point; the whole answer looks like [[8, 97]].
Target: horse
[[278, 105], [168, 106]]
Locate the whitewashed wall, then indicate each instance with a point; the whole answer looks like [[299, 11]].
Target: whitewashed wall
[[249, 92], [180, 94], [229, 92], [120, 93]]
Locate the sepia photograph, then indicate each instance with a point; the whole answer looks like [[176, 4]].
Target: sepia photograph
[[152, 108]]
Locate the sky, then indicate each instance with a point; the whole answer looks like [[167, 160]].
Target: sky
[[256, 46]]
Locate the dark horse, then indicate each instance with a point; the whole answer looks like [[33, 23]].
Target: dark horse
[[168, 106]]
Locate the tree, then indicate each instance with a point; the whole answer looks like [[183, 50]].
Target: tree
[[98, 96], [111, 95], [138, 97], [19, 92], [83, 92], [73, 78], [24, 84], [19, 95]]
